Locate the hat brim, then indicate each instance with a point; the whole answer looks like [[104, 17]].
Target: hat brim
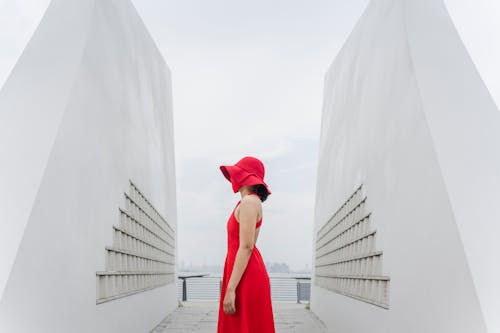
[[229, 171], [254, 180], [237, 175]]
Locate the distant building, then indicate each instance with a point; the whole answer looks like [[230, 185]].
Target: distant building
[[277, 267]]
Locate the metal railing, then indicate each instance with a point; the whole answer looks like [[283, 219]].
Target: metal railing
[[204, 287], [303, 289]]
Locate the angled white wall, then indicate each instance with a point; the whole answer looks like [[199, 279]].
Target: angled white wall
[[86, 111], [407, 117]]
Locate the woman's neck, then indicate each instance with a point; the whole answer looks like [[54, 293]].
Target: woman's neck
[[246, 190]]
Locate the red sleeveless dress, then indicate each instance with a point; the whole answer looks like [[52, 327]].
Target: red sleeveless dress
[[254, 313]]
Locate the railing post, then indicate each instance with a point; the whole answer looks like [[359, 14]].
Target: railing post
[[184, 283], [184, 290], [298, 292]]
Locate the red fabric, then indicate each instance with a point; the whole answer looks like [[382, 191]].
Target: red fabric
[[254, 313], [247, 171]]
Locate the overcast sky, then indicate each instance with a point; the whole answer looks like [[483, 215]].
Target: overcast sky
[[248, 80]]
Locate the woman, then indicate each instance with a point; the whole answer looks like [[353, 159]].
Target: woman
[[245, 300]]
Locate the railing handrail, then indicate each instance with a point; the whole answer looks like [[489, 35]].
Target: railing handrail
[[302, 282], [188, 276]]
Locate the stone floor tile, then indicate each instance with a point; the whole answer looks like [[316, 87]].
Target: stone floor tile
[[201, 317]]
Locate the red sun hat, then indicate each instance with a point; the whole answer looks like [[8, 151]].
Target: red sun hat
[[247, 171]]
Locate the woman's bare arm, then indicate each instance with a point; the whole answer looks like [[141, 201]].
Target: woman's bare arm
[[248, 213]]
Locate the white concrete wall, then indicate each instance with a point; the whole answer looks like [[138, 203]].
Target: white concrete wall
[[406, 114], [87, 107]]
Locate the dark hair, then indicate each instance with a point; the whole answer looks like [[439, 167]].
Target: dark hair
[[261, 191]]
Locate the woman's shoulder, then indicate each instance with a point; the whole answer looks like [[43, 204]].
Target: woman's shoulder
[[251, 199], [251, 202]]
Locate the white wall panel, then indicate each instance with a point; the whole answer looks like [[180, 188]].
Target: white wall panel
[[86, 110], [406, 115]]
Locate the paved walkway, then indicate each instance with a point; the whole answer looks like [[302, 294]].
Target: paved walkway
[[201, 317]]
